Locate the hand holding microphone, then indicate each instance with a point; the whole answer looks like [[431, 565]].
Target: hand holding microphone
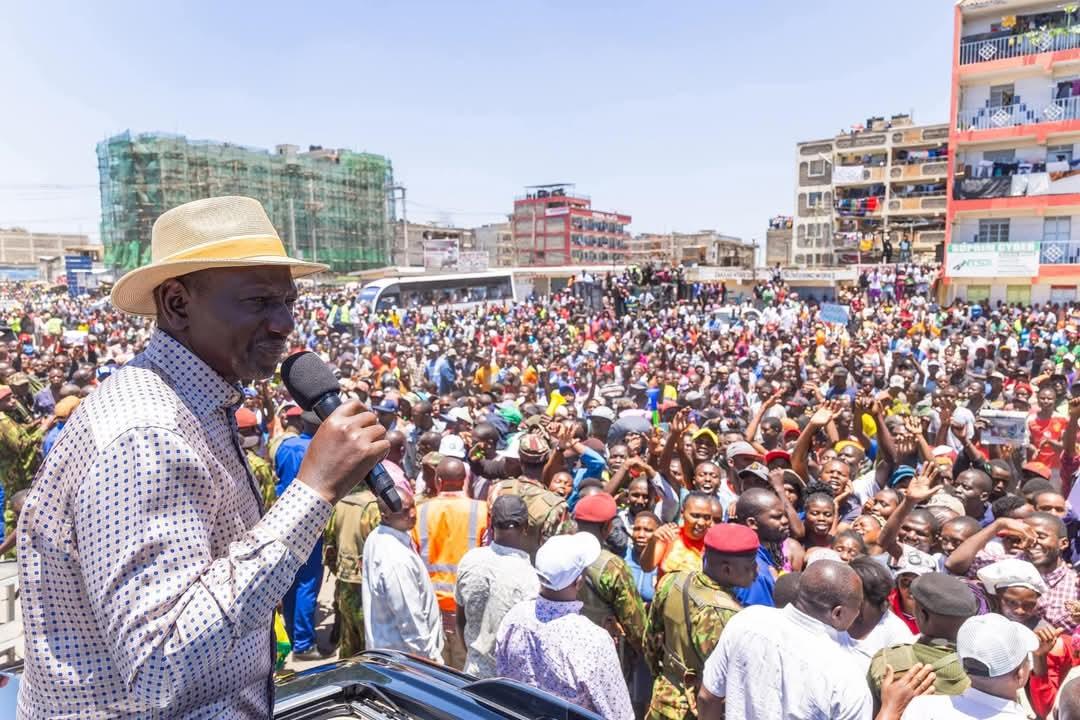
[[350, 442]]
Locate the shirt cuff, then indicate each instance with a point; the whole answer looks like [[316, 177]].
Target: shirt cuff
[[297, 519]]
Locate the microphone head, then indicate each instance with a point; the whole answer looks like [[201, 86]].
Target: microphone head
[[308, 378]]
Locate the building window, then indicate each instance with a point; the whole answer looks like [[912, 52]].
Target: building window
[[1062, 294], [1019, 294], [817, 168], [1059, 153], [1002, 95], [813, 200], [977, 293], [1000, 156], [993, 231]]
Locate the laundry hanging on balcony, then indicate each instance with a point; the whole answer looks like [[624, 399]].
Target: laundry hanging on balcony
[[982, 187]]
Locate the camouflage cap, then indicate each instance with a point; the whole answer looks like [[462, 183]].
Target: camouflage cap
[[533, 449]]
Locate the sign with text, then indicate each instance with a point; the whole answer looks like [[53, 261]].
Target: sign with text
[[836, 314], [988, 260]]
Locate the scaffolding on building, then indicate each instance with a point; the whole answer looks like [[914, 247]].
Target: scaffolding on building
[[329, 206]]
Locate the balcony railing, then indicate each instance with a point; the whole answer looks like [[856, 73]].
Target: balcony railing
[[988, 118], [935, 201], [1009, 46], [1059, 252], [918, 171]]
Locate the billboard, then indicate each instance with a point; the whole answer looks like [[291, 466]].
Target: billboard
[[988, 260], [454, 260]]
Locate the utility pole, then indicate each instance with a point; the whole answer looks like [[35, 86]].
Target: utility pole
[[313, 209], [394, 190], [292, 228]]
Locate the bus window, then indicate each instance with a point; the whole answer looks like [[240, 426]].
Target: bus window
[[388, 300], [367, 295]]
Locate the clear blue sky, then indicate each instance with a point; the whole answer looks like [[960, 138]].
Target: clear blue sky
[[683, 114]]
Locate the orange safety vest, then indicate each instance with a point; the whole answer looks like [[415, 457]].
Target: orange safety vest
[[447, 527]]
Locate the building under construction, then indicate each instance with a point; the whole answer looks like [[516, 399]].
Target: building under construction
[[329, 206]]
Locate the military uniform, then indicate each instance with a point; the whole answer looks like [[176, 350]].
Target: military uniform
[[19, 454], [611, 600], [548, 514], [938, 653], [354, 518], [687, 614], [264, 474]]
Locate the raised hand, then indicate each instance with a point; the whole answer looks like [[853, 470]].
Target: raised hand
[[925, 484], [1047, 635]]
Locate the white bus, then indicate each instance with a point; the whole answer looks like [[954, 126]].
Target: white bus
[[454, 290]]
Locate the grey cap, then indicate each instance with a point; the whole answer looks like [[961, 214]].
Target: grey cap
[[944, 595]]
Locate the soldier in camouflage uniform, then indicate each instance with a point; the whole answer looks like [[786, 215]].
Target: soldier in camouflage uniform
[[548, 514], [942, 604], [609, 594], [354, 518], [688, 613], [250, 434], [19, 449], [21, 410]]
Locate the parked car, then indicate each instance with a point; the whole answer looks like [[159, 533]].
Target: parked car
[[390, 685]]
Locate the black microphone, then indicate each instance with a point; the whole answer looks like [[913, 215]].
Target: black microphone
[[314, 387]]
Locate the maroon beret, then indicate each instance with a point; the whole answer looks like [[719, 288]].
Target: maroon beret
[[731, 539], [600, 508]]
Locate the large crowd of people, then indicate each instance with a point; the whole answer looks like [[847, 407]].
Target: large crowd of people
[[677, 504]]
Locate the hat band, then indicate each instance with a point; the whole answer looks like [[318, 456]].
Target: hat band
[[232, 248]]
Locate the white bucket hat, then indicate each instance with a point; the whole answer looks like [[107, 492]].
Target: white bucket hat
[[220, 232]]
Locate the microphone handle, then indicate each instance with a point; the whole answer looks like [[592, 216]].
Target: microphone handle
[[378, 480]]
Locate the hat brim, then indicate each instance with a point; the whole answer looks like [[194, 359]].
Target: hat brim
[[134, 292]]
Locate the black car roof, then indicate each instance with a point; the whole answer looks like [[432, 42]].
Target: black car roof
[[419, 688]]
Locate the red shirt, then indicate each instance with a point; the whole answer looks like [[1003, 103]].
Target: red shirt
[[1041, 430], [1043, 690], [898, 611]]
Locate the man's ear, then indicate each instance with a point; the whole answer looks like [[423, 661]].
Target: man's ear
[[172, 299]]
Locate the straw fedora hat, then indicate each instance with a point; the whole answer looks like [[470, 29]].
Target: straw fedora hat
[[219, 232]]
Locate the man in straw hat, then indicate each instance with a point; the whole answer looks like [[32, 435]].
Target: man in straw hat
[[148, 569]]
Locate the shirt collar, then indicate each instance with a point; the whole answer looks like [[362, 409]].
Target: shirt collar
[[999, 704], [201, 389], [402, 537], [505, 550], [1056, 575], [547, 610], [810, 624]]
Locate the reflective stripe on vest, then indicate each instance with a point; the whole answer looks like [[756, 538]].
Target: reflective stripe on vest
[[442, 550]]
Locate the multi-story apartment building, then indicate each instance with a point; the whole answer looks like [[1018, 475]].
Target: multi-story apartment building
[[778, 240], [554, 225], [1014, 202], [876, 191]]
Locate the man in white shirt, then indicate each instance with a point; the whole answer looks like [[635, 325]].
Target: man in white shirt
[[491, 580], [549, 644], [789, 663], [400, 608], [995, 652]]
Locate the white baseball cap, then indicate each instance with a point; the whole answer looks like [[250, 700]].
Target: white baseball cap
[[560, 560], [452, 446], [992, 645]]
